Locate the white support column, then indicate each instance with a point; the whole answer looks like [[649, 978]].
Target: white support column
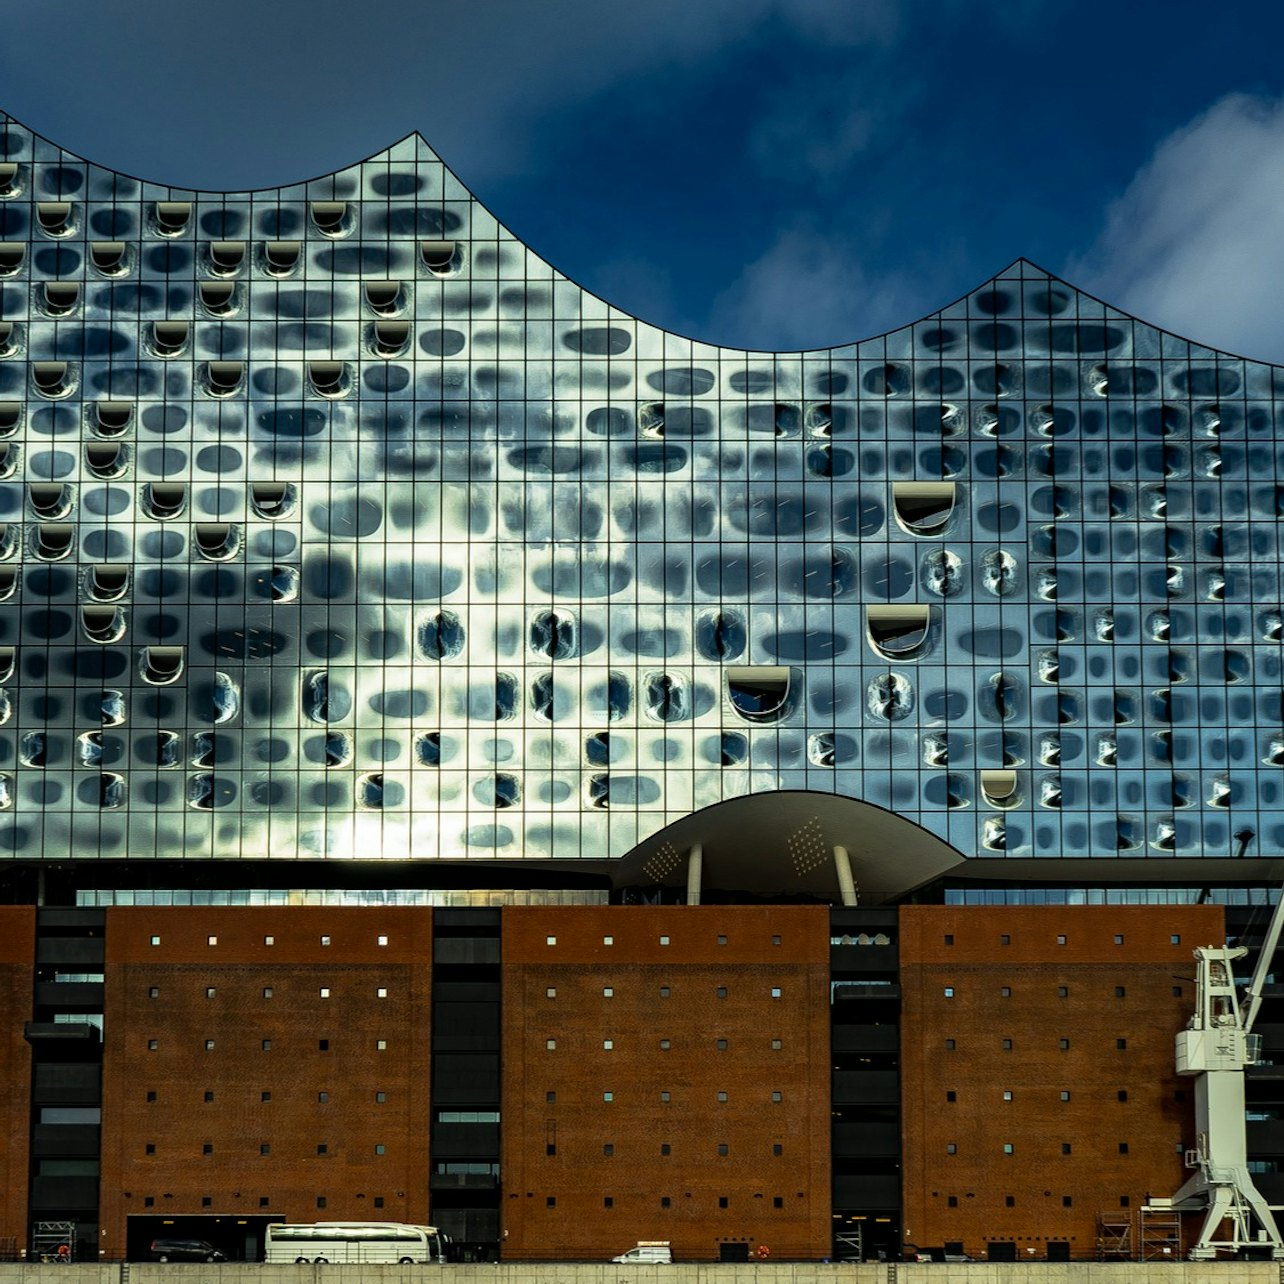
[[846, 883], [695, 867]]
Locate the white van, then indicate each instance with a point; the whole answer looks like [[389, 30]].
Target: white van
[[656, 1252]]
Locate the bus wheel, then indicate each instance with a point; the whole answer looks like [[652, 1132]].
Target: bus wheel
[[321, 1260], [300, 1261], [406, 1261]]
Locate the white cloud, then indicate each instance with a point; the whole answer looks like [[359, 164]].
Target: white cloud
[[809, 291], [1196, 242]]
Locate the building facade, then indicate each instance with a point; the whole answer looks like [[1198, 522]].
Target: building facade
[[400, 648]]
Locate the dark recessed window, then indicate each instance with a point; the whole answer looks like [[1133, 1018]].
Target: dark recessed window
[[951, 1095], [1009, 1201], [320, 1201], [608, 1201], [777, 1149], [1120, 991], [722, 1201], [949, 1045], [665, 1148], [207, 1148], [949, 938], [1123, 1147], [777, 1201], [1122, 1095], [1065, 1147], [550, 1201], [1121, 1044], [1067, 1201], [952, 1201]]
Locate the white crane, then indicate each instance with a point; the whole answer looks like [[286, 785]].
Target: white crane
[[1213, 1050]]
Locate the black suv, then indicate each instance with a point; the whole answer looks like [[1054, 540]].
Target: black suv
[[185, 1250]]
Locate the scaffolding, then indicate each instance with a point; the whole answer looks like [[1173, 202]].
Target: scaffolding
[[1114, 1236], [53, 1242], [1159, 1232]]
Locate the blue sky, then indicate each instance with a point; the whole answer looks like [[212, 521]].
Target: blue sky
[[762, 173]]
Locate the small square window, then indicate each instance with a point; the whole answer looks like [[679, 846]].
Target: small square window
[[151, 1094], [608, 991], [263, 1201], [1120, 991], [209, 1045], [550, 1097], [777, 1096], [1065, 1096], [269, 940], [949, 1045], [951, 1148], [721, 991], [153, 992], [325, 991], [722, 1045], [209, 1096], [323, 1149], [951, 1095], [381, 1098], [949, 991], [323, 1097], [550, 940], [1174, 940], [381, 940], [1063, 1044], [265, 1149], [1119, 940], [608, 1201], [149, 1148], [1122, 1095], [1123, 1147], [775, 991], [265, 1096], [267, 991], [155, 940], [664, 991], [1009, 1201], [1124, 1201], [378, 1201], [1007, 1045], [550, 1044], [1121, 1045], [777, 1201], [1063, 991], [1065, 1147], [665, 1201], [210, 991], [1005, 939], [608, 1149], [664, 940], [207, 1201], [381, 992], [1061, 940], [320, 1201], [323, 1045], [722, 1096], [723, 1148], [776, 1045], [608, 1096], [722, 940], [325, 940], [949, 938], [1007, 1094], [1007, 1148], [550, 1201], [267, 1045], [1179, 1095], [551, 992], [379, 1149], [664, 1045], [665, 1148], [608, 1045], [211, 940], [1067, 1201], [664, 1095], [952, 1201], [777, 1148], [1176, 991], [1005, 992], [775, 940], [608, 940], [381, 1045], [149, 1201]]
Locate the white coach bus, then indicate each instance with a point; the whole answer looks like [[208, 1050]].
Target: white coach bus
[[354, 1242]]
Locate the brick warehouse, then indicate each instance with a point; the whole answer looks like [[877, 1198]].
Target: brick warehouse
[[363, 577]]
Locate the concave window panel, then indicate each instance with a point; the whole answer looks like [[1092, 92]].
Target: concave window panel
[[330, 218], [8, 656], [169, 338], [109, 258], [8, 179], [391, 338], [54, 540], [106, 459], [161, 665], [999, 787], [49, 500], [55, 217], [924, 508], [760, 693], [10, 417], [272, 500], [226, 257], [61, 297], [898, 632], [383, 297], [164, 500], [172, 217], [280, 258], [329, 379], [112, 418], [12, 257], [8, 582], [441, 258], [8, 339], [108, 581], [223, 378], [218, 298], [217, 541], [10, 453], [52, 379], [103, 624]]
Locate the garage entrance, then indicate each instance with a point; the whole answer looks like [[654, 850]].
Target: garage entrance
[[240, 1238]]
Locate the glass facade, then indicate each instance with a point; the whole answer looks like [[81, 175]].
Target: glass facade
[[336, 523]]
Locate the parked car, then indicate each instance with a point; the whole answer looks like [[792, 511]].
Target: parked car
[[185, 1250]]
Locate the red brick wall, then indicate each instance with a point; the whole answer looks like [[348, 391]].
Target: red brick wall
[[184, 991], [1063, 970], [555, 1203], [17, 958]]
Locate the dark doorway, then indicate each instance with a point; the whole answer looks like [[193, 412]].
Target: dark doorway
[[998, 1251], [240, 1238], [1058, 1250], [731, 1252]]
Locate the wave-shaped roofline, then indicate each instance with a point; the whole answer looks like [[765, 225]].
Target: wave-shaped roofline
[[1021, 262]]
